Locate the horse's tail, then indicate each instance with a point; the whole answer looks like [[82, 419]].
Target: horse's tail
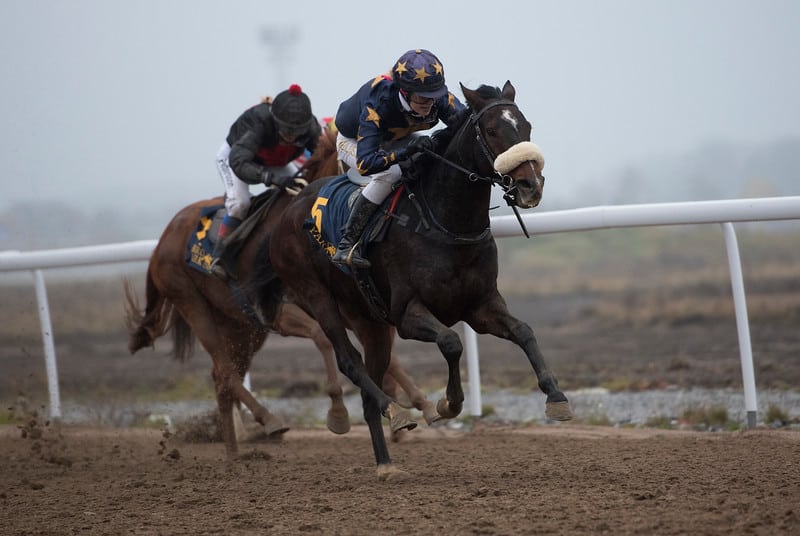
[[159, 315]]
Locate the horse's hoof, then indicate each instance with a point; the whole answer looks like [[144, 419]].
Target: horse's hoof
[[558, 411], [338, 422], [399, 419], [446, 410], [387, 472], [430, 413], [275, 427]]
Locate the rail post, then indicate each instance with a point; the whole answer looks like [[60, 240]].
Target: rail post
[[742, 324], [49, 347]]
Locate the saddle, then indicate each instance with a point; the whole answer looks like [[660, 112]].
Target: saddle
[[201, 243]]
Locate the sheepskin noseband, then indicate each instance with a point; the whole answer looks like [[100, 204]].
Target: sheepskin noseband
[[516, 155]]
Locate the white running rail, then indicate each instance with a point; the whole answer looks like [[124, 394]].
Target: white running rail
[[582, 219]]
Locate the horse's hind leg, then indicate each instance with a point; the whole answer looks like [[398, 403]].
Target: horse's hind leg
[[226, 407], [292, 320], [376, 402], [496, 320], [229, 390], [231, 346], [377, 342]]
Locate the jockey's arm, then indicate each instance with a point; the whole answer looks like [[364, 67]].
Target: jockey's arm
[[370, 156], [243, 157], [450, 109]]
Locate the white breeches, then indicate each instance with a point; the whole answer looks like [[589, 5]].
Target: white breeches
[[237, 192], [380, 184]]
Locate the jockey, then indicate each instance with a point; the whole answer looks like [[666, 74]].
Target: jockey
[[260, 148], [375, 133]]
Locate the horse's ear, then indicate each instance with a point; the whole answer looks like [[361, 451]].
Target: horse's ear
[[470, 96], [508, 91]]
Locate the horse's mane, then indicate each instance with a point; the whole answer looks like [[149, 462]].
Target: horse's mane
[[321, 163], [446, 135], [489, 92]]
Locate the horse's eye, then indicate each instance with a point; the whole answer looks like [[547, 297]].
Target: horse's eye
[[491, 132]]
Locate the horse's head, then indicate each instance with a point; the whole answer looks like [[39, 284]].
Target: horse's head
[[504, 136]]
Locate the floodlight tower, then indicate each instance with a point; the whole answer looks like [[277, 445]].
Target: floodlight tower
[[281, 40]]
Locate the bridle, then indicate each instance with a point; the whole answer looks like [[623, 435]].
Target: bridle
[[504, 181]]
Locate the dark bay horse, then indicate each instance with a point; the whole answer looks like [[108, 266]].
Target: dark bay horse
[[190, 304], [429, 280]]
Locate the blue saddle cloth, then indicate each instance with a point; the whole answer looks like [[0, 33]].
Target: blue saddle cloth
[[330, 212]]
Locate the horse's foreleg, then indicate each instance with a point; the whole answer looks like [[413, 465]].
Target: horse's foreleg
[[497, 321], [418, 323], [386, 470], [291, 320], [557, 406]]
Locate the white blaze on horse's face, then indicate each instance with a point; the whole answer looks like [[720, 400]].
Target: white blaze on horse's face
[[509, 118]]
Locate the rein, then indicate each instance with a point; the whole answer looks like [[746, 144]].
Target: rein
[[505, 182]]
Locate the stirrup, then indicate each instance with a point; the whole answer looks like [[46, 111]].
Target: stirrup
[[354, 260], [218, 270]]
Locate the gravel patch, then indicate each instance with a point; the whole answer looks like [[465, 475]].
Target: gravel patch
[[598, 406]]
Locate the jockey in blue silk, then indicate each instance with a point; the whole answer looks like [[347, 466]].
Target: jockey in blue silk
[[375, 133], [260, 148]]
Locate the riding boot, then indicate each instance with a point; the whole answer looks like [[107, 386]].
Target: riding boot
[[221, 266], [347, 252]]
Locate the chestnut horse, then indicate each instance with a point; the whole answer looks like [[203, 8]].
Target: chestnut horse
[[192, 304], [435, 266]]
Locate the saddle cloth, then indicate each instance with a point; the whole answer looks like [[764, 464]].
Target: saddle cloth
[[201, 242], [330, 212], [200, 246]]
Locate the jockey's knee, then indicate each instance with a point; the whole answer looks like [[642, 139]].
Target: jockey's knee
[[237, 208], [381, 183]]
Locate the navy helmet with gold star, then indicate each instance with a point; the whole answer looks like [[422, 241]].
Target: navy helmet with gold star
[[420, 72]]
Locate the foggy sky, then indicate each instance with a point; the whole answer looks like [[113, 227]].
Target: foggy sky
[[118, 105]]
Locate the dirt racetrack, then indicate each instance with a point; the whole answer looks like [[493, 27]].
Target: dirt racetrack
[[665, 321], [490, 480]]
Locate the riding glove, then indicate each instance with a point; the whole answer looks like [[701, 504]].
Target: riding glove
[[409, 167], [272, 179], [419, 144]]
